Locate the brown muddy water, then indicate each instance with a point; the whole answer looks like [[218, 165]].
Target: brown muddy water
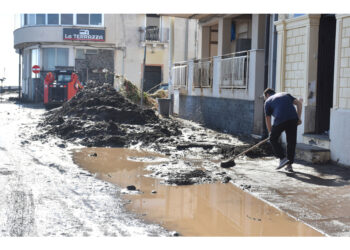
[[195, 210]]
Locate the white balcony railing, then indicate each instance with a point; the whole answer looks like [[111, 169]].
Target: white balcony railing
[[179, 74], [202, 73], [234, 70], [229, 71]]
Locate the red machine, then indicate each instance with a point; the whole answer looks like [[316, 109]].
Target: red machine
[[60, 86]]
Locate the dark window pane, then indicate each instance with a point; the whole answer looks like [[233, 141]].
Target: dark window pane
[[95, 19], [67, 19], [40, 18], [83, 19], [25, 19], [52, 19]]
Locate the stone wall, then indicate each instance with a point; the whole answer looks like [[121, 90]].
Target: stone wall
[[295, 61], [227, 115], [344, 73]]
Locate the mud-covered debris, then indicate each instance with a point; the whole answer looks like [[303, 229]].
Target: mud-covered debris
[[245, 187], [100, 116], [226, 179], [175, 234], [93, 155], [196, 176], [131, 188], [261, 151], [61, 145], [194, 145]]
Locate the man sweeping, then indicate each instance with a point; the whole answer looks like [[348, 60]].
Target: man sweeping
[[286, 118]]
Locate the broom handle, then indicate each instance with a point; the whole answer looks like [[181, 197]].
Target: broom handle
[[255, 146]]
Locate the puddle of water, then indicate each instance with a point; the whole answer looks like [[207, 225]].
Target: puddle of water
[[197, 210]]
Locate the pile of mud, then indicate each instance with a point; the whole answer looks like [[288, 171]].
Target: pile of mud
[[100, 116]]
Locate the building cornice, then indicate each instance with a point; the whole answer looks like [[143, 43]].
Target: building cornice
[[340, 16], [298, 22]]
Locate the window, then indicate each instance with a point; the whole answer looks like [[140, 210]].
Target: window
[[35, 59], [95, 19], [91, 51], [40, 19], [52, 19], [64, 78], [62, 57], [152, 20], [67, 19], [83, 19], [79, 54], [31, 19], [53, 57], [25, 19], [61, 19]]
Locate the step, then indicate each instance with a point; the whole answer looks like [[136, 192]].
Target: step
[[318, 140], [312, 154]]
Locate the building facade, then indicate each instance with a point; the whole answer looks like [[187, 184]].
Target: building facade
[[83, 42], [221, 78], [96, 46], [313, 64], [134, 32]]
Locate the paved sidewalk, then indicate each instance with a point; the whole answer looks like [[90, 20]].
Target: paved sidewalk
[[318, 195]]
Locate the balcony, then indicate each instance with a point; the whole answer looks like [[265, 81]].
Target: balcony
[[231, 72], [154, 35]]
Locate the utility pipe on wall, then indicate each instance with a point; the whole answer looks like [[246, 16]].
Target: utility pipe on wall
[[19, 74], [266, 65], [186, 41], [143, 75]]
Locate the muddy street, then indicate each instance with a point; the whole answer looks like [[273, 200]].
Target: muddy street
[[74, 171], [215, 209], [45, 194]]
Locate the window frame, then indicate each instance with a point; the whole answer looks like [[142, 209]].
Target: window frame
[[53, 24], [55, 63], [83, 24], [26, 18], [65, 23]]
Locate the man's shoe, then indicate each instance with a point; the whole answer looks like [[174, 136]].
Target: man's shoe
[[289, 168], [283, 162]]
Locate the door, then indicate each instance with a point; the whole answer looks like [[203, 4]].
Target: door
[[325, 72], [153, 76]]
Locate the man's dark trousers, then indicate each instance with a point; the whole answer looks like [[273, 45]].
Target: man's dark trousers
[[290, 127]]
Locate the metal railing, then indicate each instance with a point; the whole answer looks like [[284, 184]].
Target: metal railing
[[203, 73], [154, 34], [179, 75], [234, 70]]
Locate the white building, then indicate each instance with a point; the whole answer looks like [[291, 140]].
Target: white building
[[313, 63], [96, 46]]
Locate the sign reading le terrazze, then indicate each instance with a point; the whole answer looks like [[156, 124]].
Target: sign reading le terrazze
[[84, 34]]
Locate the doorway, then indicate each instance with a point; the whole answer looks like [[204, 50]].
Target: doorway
[[153, 76], [325, 72]]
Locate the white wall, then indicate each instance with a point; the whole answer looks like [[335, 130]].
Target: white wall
[[128, 36], [340, 136]]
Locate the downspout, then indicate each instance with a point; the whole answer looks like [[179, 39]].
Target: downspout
[[267, 48], [186, 40], [19, 74], [274, 53], [171, 61], [195, 41], [266, 64]]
